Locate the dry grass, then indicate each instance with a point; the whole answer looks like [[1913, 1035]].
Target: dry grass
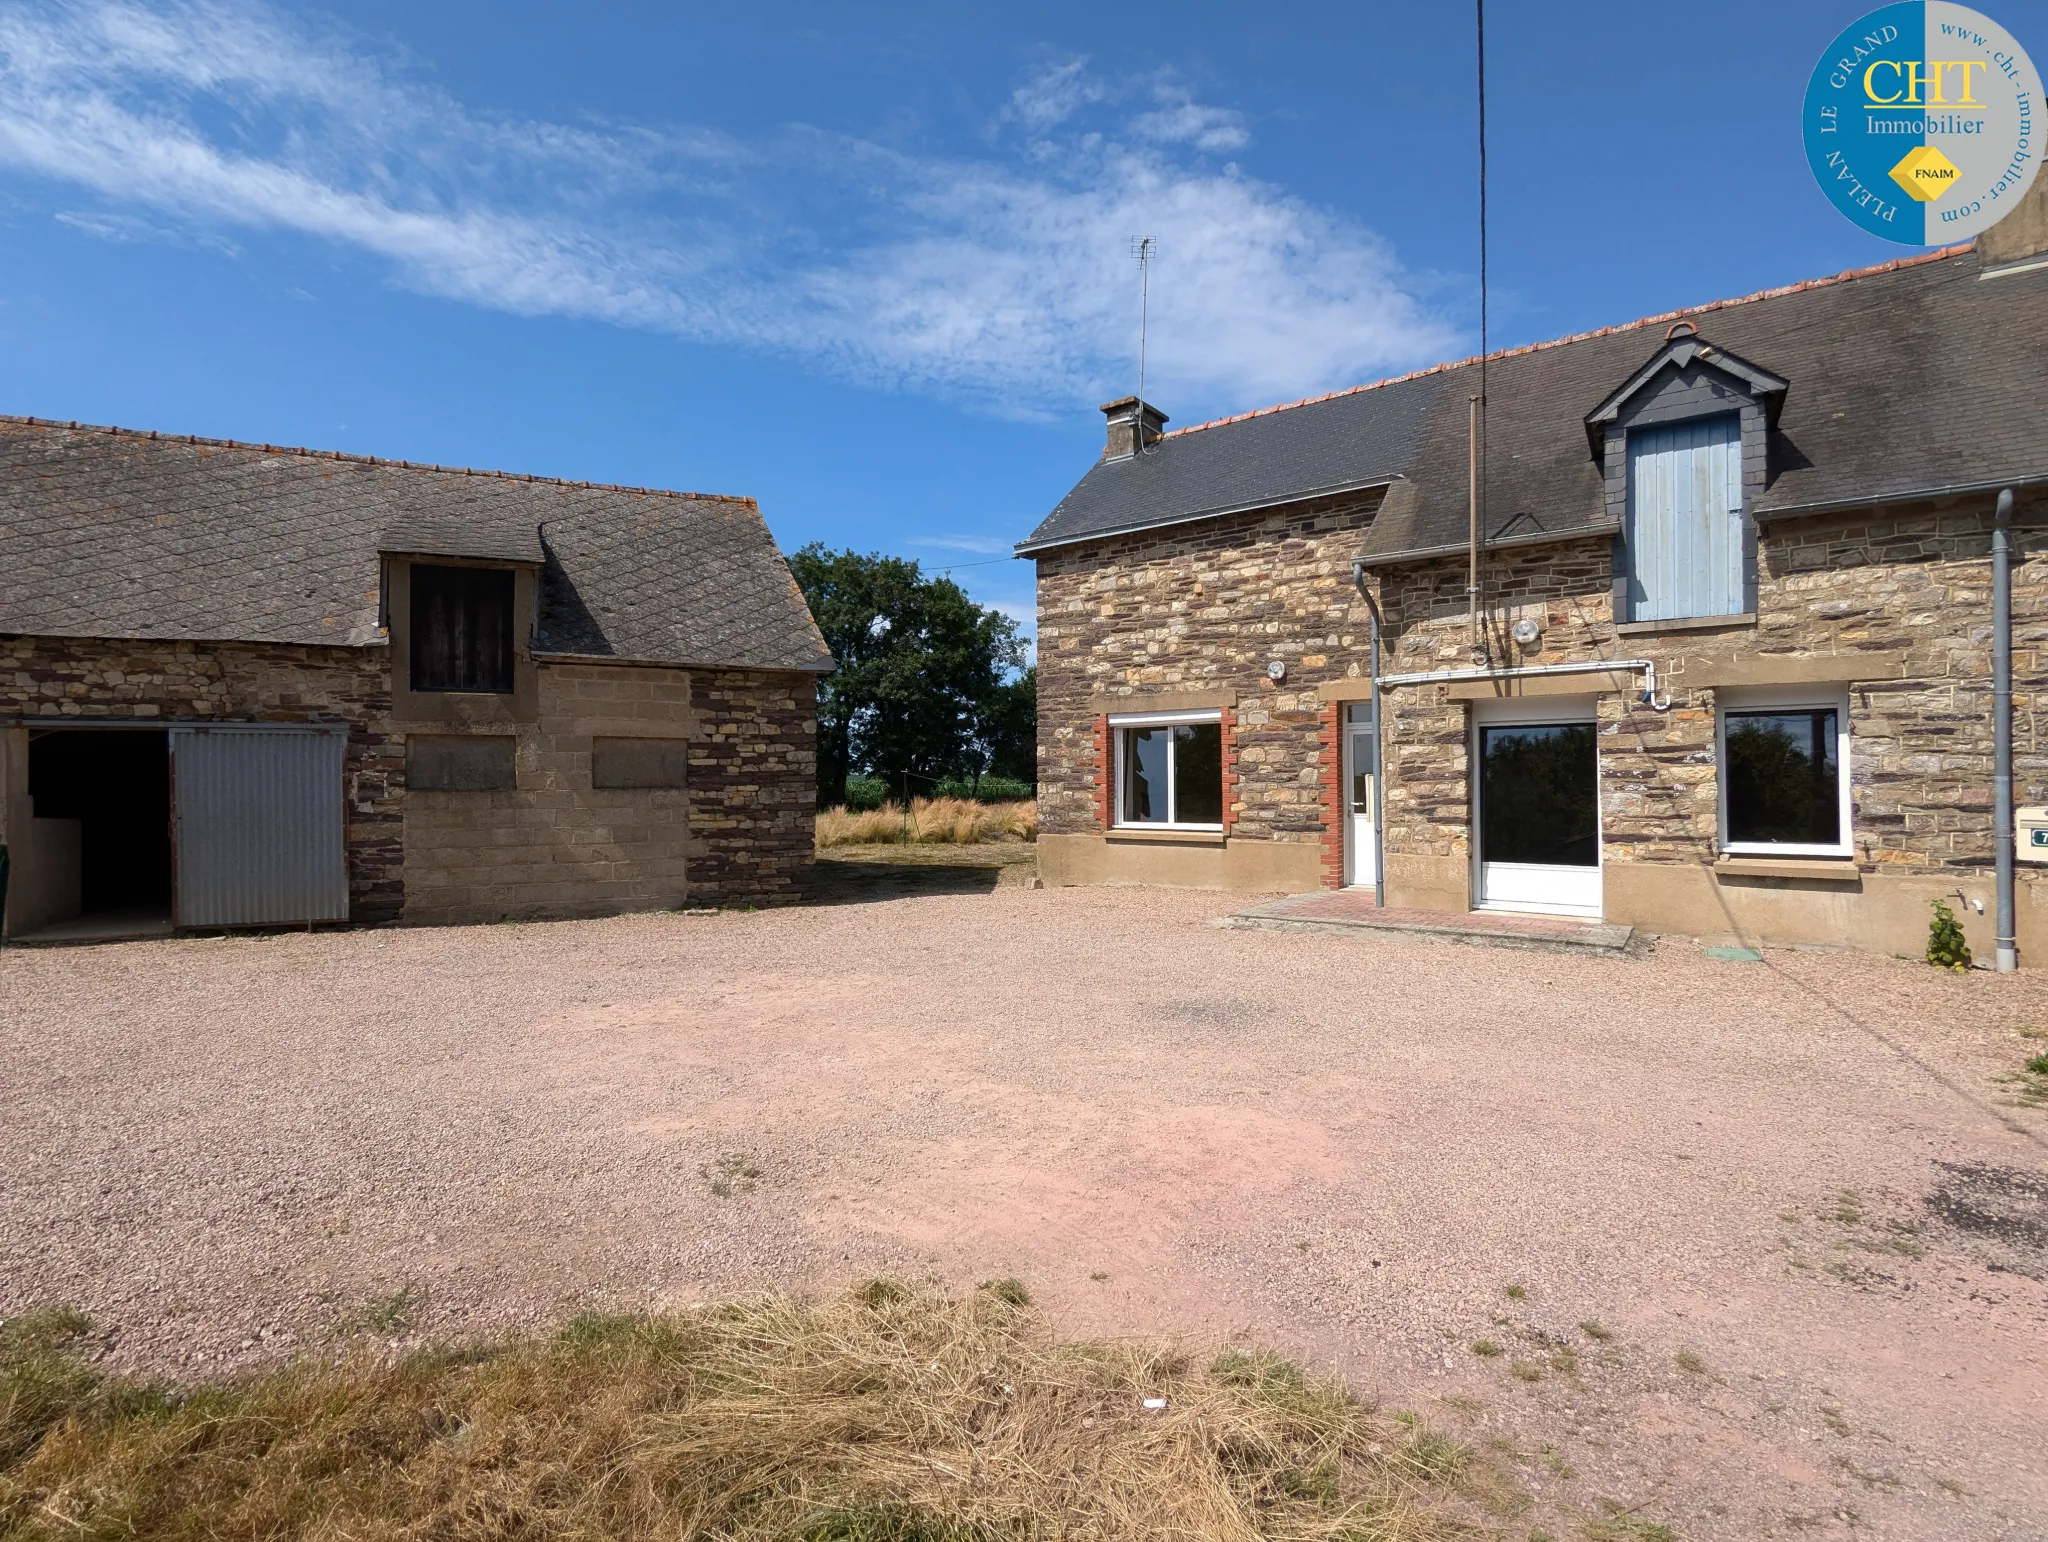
[[891, 1414], [958, 821]]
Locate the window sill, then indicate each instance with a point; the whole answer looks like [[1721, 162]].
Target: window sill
[[1826, 869], [1683, 624], [1180, 837]]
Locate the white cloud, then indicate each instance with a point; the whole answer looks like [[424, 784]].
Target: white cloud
[[1055, 95], [1180, 120], [1003, 281]]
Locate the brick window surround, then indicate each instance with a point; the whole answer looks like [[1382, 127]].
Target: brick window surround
[[1331, 735], [1229, 770], [1105, 773]]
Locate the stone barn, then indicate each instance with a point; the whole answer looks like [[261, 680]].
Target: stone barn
[[250, 686]]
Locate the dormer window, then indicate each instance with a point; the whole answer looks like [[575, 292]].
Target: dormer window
[[461, 628], [1686, 544], [1682, 446]]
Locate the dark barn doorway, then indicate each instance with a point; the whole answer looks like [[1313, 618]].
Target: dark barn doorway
[[117, 784]]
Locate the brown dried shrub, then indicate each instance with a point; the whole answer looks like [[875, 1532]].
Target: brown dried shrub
[[959, 821], [889, 1412]]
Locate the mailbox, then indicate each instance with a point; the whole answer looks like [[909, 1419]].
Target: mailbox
[[2030, 835]]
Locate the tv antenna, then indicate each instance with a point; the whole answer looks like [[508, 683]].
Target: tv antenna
[[1144, 248]]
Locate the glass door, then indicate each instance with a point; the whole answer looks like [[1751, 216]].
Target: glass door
[[1361, 794], [1538, 813]]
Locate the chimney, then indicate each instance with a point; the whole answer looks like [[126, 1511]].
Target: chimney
[[2021, 238], [1133, 425]]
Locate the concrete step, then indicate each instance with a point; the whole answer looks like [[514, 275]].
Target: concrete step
[[1353, 911]]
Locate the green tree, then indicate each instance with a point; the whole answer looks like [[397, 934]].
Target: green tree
[[928, 682], [1007, 741]]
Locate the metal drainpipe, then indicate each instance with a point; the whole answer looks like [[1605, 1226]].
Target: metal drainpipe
[[1379, 760], [2001, 712]]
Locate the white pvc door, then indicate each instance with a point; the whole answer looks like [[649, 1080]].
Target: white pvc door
[[1537, 807], [1361, 795]]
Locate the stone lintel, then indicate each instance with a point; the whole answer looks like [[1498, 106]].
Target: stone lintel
[[1790, 669], [1350, 688], [1160, 701]]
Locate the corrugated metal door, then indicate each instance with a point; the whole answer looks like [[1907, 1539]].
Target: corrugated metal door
[[258, 817], [1685, 536]]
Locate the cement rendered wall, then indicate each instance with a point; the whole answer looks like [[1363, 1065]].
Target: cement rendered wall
[[1253, 866], [556, 846], [1894, 608]]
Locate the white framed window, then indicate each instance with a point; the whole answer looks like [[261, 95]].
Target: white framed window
[[1784, 773], [1169, 770]]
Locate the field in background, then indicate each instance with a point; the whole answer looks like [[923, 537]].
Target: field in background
[[954, 821], [892, 1414]]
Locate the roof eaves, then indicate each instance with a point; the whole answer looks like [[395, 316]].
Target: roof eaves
[[1898, 496], [824, 666], [1392, 559], [1031, 547]]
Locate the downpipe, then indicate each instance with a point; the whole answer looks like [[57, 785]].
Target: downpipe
[[2001, 713]]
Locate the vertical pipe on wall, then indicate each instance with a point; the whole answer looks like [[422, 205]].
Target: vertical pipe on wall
[[2001, 712], [1472, 518], [1379, 780]]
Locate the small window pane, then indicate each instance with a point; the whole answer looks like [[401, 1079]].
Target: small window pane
[[1361, 771], [1784, 778], [1198, 773], [1145, 751], [461, 628]]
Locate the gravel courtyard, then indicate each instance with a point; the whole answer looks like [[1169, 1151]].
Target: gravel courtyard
[[1806, 1221]]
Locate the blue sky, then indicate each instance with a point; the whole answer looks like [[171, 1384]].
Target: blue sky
[[868, 264]]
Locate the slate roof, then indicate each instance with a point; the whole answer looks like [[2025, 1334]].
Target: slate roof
[[119, 534], [1905, 379], [1361, 439]]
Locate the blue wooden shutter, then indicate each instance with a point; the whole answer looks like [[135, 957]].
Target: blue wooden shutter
[[1685, 538]]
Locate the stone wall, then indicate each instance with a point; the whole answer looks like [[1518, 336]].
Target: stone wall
[[1899, 606], [57, 681], [738, 832], [1125, 623], [753, 786], [1895, 607]]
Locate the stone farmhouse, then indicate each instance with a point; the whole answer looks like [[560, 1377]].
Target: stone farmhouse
[[1691, 629], [250, 686]]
